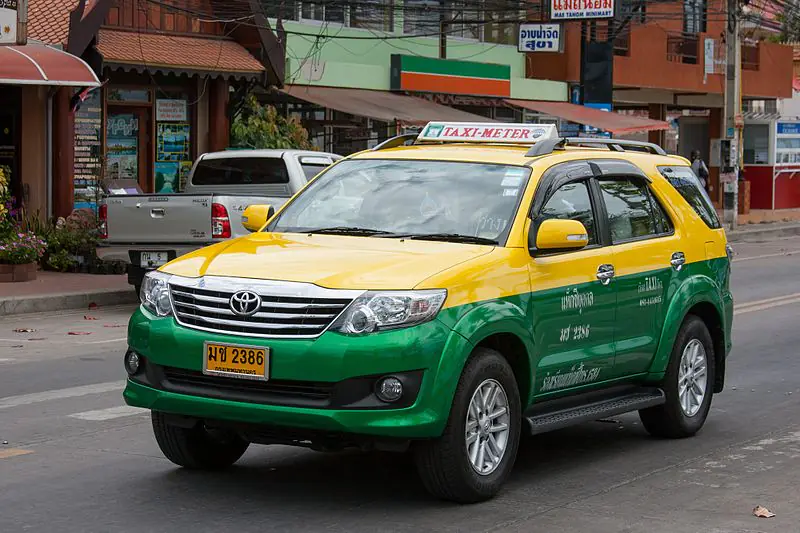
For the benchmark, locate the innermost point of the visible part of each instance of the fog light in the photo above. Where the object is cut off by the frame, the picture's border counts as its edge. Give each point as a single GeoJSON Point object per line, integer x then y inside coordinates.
{"type": "Point", "coordinates": [131, 363]}
{"type": "Point", "coordinates": [389, 389]}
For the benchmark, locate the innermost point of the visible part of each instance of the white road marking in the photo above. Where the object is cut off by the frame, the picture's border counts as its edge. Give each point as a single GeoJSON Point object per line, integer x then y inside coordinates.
{"type": "Point", "coordinates": [766, 256]}
{"type": "Point", "coordinates": [109, 340]}
{"type": "Point", "coordinates": [60, 394]}
{"type": "Point", "coordinates": [6, 360]}
{"type": "Point", "coordinates": [99, 415]}
{"type": "Point", "coordinates": [761, 305]}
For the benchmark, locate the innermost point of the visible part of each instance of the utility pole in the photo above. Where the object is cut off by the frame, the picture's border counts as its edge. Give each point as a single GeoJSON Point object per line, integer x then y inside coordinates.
{"type": "Point", "coordinates": [731, 145]}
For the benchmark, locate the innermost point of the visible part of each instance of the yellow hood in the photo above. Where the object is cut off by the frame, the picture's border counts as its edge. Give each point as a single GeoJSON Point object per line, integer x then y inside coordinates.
{"type": "Point", "coordinates": [332, 261]}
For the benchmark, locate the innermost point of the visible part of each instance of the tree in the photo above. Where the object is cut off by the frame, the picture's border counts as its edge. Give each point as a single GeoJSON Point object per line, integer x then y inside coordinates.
{"type": "Point", "coordinates": [261, 126]}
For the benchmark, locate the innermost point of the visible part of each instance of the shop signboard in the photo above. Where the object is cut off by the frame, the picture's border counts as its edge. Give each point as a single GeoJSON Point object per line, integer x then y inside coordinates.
{"type": "Point", "coordinates": [434, 75]}
{"type": "Point", "coordinates": [581, 9]}
{"type": "Point", "coordinates": [87, 147]}
{"type": "Point", "coordinates": [171, 110]}
{"type": "Point", "coordinates": [539, 38]}
{"type": "Point", "coordinates": [8, 21]}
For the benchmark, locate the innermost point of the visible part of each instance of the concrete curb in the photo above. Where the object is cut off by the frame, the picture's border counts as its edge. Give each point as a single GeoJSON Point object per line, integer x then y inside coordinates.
{"type": "Point", "coordinates": [761, 231]}
{"type": "Point", "coordinates": [65, 301]}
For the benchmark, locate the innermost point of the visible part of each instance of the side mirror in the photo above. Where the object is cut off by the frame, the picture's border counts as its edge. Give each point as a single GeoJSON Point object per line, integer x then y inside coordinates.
{"type": "Point", "coordinates": [556, 235]}
{"type": "Point", "coordinates": [256, 216]}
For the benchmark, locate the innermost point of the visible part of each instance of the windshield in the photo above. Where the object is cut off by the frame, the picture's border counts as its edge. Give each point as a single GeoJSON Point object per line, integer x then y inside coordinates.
{"type": "Point", "coordinates": [401, 197]}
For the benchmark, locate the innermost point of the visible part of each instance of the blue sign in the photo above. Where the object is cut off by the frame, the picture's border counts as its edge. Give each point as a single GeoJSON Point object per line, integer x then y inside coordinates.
{"type": "Point", "coordinates": [788, 128]}
{"type": "Point", "coordinates": [591, 130]}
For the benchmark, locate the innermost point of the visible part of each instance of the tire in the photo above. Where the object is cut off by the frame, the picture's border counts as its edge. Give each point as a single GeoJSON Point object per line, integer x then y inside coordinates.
{"type": "Point", "coordinates": [197, 448]}
{"type": "Point", "coordinates": [444, 464]}
{"type": "Point", "coordinates": [671, 420]}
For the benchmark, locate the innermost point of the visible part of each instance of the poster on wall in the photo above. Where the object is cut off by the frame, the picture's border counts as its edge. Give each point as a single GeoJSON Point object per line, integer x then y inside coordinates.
{"type": "Point", "coordinates": [8, 21]}
{"type": "Point", "coordinates": [88, 125]}
{"type": "Point", "coordinates": [173, 142]}
{"type": "Point", "coordinates": [122, 147]}
{"type": "Point", "coordinates": [185, 170]}
{"type": "Point", "coordinates": [167, 176]}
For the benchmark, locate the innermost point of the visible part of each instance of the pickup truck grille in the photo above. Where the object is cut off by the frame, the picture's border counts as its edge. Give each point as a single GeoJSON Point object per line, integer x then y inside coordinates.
{"type": "Point", "coordinates": [278, 316]}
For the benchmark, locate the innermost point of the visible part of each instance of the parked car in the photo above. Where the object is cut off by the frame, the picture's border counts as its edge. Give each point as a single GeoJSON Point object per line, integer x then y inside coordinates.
{"type": "Point", "coordinates": [148, 230]}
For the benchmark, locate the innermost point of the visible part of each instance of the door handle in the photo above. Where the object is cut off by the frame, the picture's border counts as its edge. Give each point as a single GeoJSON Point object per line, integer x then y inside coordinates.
{"type": "Point", "coordinates": [605, 273]}
{"type": "Point", "coordinates": [157, 213]}
{"type": "Point", "coordinates": [677, 260]}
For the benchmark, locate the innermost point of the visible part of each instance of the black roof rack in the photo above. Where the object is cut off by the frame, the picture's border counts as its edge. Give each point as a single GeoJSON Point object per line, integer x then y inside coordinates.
{"type": "Point", "coordinates": [615, 145]}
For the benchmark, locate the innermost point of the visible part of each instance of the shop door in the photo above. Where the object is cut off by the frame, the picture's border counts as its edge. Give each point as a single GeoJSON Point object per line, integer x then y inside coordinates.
{"type": "Point", "coordinates": [9, 136]}
{"type": "Point", "coordinates": [128, 145]}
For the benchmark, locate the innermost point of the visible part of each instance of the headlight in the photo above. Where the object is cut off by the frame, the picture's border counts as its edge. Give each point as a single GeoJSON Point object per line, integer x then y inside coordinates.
{"type": "Point", "coordinates": [376, 311]}
{"type": "Point", "coordinates": [155, 293]}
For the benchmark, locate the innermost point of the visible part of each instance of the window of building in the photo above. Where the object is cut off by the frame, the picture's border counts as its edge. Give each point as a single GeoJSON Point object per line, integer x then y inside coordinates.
{"type": "Point", "coordinates": [501, 19]}
{"type": "Point", "coordinates": [756, 144]}
{"type": "Point", "coordinates": [283, 9]}
{"type": "Point", "coordinates": [635, 9]}
{"type": "Point", "coordinates": [572, 202]}
{"type": "Point", "coordinates": [323, 12]}
{"type": "Point", "coordinates": [694, 16]}
{"type": "Point", "coordinates": [421, 17]}
{"type": "Point", "coordinates": [378, 16]}
{"type": "Point", "coordinates": [630, 213]}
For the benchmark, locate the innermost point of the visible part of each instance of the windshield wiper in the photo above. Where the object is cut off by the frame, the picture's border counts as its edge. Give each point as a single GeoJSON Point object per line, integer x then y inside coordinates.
{"type": "Point", "coordinates": [349, 230]}
{"type": "Point", "coordinates": [449, 237]}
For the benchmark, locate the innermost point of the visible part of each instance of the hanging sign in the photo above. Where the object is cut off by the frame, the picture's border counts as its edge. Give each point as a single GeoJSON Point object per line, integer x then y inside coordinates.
{"type": "Point", "coordinates": [8, 21]}
{"type": "Point", "coordinates": [581, 9]}
{"type": "Point", "coordinates": [539, 38]}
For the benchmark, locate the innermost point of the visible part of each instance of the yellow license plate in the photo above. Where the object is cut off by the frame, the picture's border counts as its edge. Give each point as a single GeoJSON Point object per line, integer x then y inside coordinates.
{"type": "Point", "coordinates": [236, 361]}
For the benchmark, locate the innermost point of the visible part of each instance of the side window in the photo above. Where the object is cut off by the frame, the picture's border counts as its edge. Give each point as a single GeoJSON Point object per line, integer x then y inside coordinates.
{"type": "Point", "coordinates": [687, 184]}
{"type": "Point", "coordinates": [663, 222]}
{"type": "Point", "coordinates": [629, 208]}
{"type": "Point", "coordinates": [572, 202]}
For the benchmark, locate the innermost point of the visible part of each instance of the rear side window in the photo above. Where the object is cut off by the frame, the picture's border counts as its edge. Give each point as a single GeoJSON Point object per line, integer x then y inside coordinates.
{"type": "Point", "coordinates": [241, 171]}
{"type": "Point", "coordinates": [688, 185]}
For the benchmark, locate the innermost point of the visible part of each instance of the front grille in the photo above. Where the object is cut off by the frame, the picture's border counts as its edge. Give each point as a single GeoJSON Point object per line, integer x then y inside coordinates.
{"type": "Point", "coordinates": [269, 392]}
{"type": "Point", "coordinates": [278, 316]}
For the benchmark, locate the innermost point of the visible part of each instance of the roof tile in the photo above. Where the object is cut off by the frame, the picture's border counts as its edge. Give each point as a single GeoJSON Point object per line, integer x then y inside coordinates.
{"type": "Point", "coordinates": [48, 20]}
{"type": "Point", "coordinates": [160, 50]}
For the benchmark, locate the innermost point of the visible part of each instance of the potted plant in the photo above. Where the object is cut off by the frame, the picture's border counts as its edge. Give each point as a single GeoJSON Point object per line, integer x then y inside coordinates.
{"type": "Point", "coordinates": [19, 256]}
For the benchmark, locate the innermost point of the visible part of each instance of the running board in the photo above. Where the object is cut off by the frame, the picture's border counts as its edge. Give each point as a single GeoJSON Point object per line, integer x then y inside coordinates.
{"type": "Point", "coordinates": [558, 414]}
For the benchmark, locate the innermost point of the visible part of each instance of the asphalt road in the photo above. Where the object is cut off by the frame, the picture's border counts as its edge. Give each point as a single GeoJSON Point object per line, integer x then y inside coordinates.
{"type": "Point", "coordinates": [73, 457]}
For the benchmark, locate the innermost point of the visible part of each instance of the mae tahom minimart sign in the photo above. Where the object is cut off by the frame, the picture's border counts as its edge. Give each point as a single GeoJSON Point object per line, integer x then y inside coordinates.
{"type": "Point", "coordinates": [581, 9]}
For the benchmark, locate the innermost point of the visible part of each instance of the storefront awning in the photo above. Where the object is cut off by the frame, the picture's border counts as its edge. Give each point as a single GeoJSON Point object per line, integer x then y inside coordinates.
{"type": "Point", "coordinates": [614, 123]}
{"type": "Point", "coordinates": [380, 105]}
{"type": "Point", "coordinates": [157, 52]}
{"type": "Point", "coordinates": [37, 64]}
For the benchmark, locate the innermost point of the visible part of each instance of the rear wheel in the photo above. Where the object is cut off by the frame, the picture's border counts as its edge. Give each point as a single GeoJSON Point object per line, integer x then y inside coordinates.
{"type": "Point", "coordinates": [688, 384]}
{"type": "Point", "coordinates": [476, 453]}
{"type": "Point", "coordinates": [197, 448]}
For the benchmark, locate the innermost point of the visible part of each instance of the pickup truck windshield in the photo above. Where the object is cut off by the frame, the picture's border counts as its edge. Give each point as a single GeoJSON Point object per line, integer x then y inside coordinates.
{"type": "Point", "coordinates": [400, 197]}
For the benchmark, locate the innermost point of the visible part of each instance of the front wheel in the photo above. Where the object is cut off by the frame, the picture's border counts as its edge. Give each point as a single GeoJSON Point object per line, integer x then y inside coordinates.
{"type": "Point", "coordinates": [197, 447]}
{"type": "Point", "coordinates": [688, 384]}
{"type": "Point", "coordinates": [476, 453]}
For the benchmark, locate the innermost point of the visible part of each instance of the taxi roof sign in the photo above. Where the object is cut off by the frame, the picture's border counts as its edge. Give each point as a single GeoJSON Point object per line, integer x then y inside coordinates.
{"type": "Point", "coordinates": [493, 132]}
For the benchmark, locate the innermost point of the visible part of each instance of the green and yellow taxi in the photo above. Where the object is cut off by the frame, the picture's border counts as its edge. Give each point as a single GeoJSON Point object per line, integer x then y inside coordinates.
{"type": "Point", "coordinates": [444, 294]}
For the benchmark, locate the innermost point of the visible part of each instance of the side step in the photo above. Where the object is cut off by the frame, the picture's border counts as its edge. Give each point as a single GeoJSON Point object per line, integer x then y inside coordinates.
{"type": "Point", "coordinates": [557, 414]}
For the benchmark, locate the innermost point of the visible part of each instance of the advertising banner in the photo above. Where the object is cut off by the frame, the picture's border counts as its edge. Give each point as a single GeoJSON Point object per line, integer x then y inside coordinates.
{"type": "Point", "coordinates": [539, 38]}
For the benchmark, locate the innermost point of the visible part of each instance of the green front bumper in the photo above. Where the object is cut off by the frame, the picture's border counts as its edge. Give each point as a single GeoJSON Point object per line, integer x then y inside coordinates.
{"type": "Point", "coordinates": [332, 357]}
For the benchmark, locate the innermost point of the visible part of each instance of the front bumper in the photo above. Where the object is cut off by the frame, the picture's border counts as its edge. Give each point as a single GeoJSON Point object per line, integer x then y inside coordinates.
{"type": "Point", "coordinates": [344, 363]}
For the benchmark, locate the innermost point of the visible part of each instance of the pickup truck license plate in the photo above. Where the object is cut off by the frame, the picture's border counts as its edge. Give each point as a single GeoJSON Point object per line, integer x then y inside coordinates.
{"type": "Point", "coordinates": [152, 259]}
{"type": "Point", "coordinates": [236, 361]}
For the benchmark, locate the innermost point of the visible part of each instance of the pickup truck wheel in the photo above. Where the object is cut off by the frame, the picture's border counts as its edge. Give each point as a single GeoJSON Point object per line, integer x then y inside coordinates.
{"type": "Point", "coordinates": [688, 384]}
{"type": "Point", "coordinates": [197, 448]}
{"type": "Point", "coordinates": [474, 456]}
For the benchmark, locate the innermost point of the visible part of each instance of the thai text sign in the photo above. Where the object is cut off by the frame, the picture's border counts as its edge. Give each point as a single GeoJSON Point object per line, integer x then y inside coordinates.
{"type": "Point", "coordinates": [492, 133]}
{"type": "Point", "coordinates": [581, 9]}
{"type": "Point", "coordinates": [539, 38]}
{"type": "Point", "coordinates": [170, 110]}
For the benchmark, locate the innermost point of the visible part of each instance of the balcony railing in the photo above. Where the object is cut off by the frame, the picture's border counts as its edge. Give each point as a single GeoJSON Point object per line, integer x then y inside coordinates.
{"type": "Point", "coordinates": [682, 48]}
{"type": "Point", "coordinates": [749, 57]}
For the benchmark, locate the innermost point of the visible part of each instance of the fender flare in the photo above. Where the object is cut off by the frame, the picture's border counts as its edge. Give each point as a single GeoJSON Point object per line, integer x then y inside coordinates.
{"type": "Point", "coordinates": [695, 290]}
{"type": "Point", "coordinates": [479, 323]}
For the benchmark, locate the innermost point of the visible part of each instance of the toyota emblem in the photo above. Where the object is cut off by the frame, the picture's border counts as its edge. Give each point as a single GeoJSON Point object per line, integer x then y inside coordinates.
{"type": "Point", "coordinates": [245, 303]}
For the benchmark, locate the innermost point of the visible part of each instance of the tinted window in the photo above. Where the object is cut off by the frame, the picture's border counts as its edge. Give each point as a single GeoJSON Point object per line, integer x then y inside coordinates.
{"type": "Point", "coordinates": [402, 197]}
{"type": "Point", "coordinates": [241, 171]}
{"type": "Point", "coordinates": [629, 209]}
{"type": "Point", "coordinates": [688, 185]}
{"type": "Point", "coordinates": [572, 202]}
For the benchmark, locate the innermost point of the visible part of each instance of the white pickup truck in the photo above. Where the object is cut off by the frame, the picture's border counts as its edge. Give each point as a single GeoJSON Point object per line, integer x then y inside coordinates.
{"type": "Point", "coordinates": [148, 230]}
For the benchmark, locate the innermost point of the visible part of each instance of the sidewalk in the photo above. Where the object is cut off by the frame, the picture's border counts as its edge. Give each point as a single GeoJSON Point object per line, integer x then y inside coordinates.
{"type": "Point", "coordinates": [54, 291]}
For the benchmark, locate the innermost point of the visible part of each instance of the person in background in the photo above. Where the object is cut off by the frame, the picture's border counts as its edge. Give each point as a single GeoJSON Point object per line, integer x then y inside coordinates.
{"type": "Point", "coordinates": [700, 169]}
